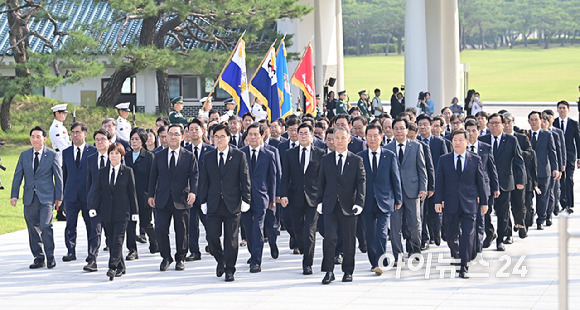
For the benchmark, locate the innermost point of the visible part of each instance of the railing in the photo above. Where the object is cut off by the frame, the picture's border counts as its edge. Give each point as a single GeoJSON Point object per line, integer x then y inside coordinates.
{"type": "Point", "coordinates": [563, 237]}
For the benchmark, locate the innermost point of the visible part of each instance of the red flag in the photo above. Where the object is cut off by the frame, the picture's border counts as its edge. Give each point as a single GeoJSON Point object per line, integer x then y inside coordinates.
{"type": "Point", "coordinates": [304, 78]}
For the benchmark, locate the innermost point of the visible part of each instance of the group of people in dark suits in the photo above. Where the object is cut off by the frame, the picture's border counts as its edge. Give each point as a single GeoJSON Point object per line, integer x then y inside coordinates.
{"type": "Point", "coordinates": [405, 179]}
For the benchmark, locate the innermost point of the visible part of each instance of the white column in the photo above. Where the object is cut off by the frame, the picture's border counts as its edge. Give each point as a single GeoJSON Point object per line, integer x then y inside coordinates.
{"type": "Point", "coordinates": [415, 51]}
{"type": "Point", "coordinates": [435, 42]}
{"type": "Point", "coordinates": [451, 60]}
{"type": "Point", "coordinates": [317, 49]}
{"type": "Point", "coordinates": [339, 48]}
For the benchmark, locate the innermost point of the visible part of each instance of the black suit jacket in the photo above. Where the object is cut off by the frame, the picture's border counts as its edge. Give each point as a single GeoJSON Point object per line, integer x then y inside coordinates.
{"type": "Point", "coordinates": [301, 188]}
{"type": "Point", "coordinates": [508, 161]}
{"type": "Point", "coordinates": [484, 151]}
{"type": "Point", "coordinates": [572, 138]}
{"type": "Point", "coordinates": [115, 203]}
{"type": "Point", "coordinates": [429, 166]}
{"type": "Point", "coordinates": [141, 170]}
{"type": "Point", "coordinates": [348, 188]}
{"type": "Point", "coordinates": [183, 181]}
{"type": "Point", "coordinates": [545, 154]}
{"type": "Point", "coordinates": [232, 183]}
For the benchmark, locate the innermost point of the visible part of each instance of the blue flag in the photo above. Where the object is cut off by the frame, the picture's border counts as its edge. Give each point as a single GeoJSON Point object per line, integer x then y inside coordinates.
{"type": "Point", "coordinates": [265, 87]}
{"type": "Point", "coordinates": [283, 82]}
{"type": "Point", "coordinates": [234, 79]}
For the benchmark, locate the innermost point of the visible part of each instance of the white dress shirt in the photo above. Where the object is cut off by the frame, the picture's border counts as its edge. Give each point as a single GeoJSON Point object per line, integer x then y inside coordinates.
{"type": "Point", "coordinates": [343, 158]}
{"type": "Point", "coordinates": [116, 172]}
{"type": "Point", "coordinates": [378, 157]}
{"type": "Point", "coordinates": [462, 160]}
{"type": "Point", "coordinates": [169, 155]}
{"type": "Point", "coordinates": [307, 154]}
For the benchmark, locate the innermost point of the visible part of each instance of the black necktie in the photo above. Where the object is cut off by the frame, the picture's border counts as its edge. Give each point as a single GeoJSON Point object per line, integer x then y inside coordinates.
{"type": "Point", "coordinates": [375, 163]}
{"type": "Point", "coordinates": [293, 144]}
{"type": "Point", "coordinates": [400, 153]}
{"type": "Point", "coordinates": [112, 182]}
{"type": "Point", "coordinates": [495, 146]}
{"type": "Point", "coordinates": [253, 159]}
{"type": "Point", "coordinates": [472, 148]}
{"type": "Point", "coordinates": [172, 163]}
{"type": "Point", "coordinates": [78, 159]}
{"type": "Point", "coordinates": [339, 167]}
{"type": "Point", "coordinates": [562, 125]}
{"type": "Point", "coordinates": [459, 170]}
{"type": "Point", "coordinates": [234, 140]}
{"type": "Point", "coordinates": [195, 152]}
{"type": "Point", "coordinates": [388, 140]}
{"type": "Point", "coordinates": [102, 164]}
{"type": "Point", "coordinates": [534, 137]}
{"type": "Point", "coordinates": [36, 161]}
{"type": "Point", "coordinates": [221, 163]}
{"type": "Point", "coordinates": [303, 159]}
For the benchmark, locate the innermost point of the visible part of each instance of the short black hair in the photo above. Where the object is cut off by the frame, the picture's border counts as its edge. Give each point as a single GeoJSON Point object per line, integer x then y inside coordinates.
{"type": "Point", "coordinates": [161, 129]}
{"type": "Point", "coordinates": [260, 127]}
{"type": "Point", "coordinates": [400, 119]}
{"type": "Point", "coordinates": [549, 112]}
{"type": "Point", "coordinates": [219, 127]}
{"type": "Point", "coordinates": [84, 127]}
{"type": "Point", "coordinates": [264, 121]}
{"type": "Point", "coordinates": [292, 122]}
{"type": "Point", "coordinates": [374, 126]}
{"type": "Point", "coordinates": [342, 115]}
{"type": "Point", "coordinates": [440, 119]}
{"type": "Point", "coordinates": [329, 131]}
{"type": "Point", "coordinates": [104, 133]}
{"type": "Point", "coordinates": [481, 113]}
{"type": "Point", "coordinates": [377, 90]}
{"type": "Point", "coordinates": [445, 108]}
{"type": "Point", "coordinates": [39, 128]}
{"type": "Point", "coordinates": [422, 117]}
{"type": "Point", "coordinates": [470, 123]}
{"type": "Point", "coordinates": [180, 126]}
{"type": "Point", "coordinates": [250, 115]}
{"type": "Point", "coordinates": [495, 115]}
{"type": "Point", "coordinates": [359, 118]}
{"type": "Point", "coordinates": [163, 119]}
{"type": "Point", "coordinates": [458, 117]}
{"type": "Point", "coordinates": [564, 102]}
{"type": "Point", "coordinates": [196, 121]}
{"type": "Point", "coordinates": [304, 125]}
{"type": "Point", "coordinates": [535, 112]}
{"type": "Point", "coordinates": [212, 111]}
{"type": "Point", "coordinates": [413, 127]}
{"type": "Point", "coordinates": [141, 133]}
{"type": "Point", "coordinates": [457, 132]}
{"type": "Point", "coordinates": [308, 119]}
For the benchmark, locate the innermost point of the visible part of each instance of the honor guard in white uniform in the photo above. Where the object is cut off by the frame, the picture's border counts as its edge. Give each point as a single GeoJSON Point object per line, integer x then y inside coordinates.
{"type": "Point", "coordinates": [259, 111]}
{"type": "Point", "coordinates": [58, 133]}
{"type": "Point", "coordinates": [206, 106]}
{"type": "Point", "coordinates": [123, 125]}
{"type": "Point", "coordinates": [230, 109]}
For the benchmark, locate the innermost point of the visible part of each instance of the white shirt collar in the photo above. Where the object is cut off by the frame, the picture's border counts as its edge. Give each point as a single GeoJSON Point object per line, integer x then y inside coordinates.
{"type": "Point", "coordinates": [257, 149]}
{"type": "Point", "coordinates": [371, 152]}
{"type": "Point", "coordinates": [199, 146]}
{"type": "Point", "coordinates": [226, 151]}
{"type": "Point", "coordinates": [343, 155]}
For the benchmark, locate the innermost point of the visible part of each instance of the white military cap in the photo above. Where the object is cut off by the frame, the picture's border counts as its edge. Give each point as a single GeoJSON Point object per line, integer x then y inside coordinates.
{"type": "Point", "coordinates": [59, 108]}
{"type": "Point", "coordinates": [123, 106]}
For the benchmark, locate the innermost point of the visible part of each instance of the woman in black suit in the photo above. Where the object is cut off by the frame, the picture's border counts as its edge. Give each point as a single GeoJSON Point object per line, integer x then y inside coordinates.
{"type": "Point", "coordinates": [115, 200]}
{"type": "Point", "coordinates": [140, 160]}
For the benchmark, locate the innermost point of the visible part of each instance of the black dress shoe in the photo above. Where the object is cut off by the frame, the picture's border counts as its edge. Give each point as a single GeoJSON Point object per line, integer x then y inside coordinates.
{"type": "Point", "coordinates": [274, 252]}
{"type": "Point", "coordinates": [540, 227]}
{"type": "Point", "coordinates": [193, 257]}
{"type": "Point", "coordinates": [307, 270]}
{"type": "Point", "coordinates": [69, 257]}
{"type": "Point", "coordinates": [132, 255]}
{"type": "Point", "coordinates": [255, 268]}
{"type": "Point", "coordinates": [229, 276]}
{"type": "Point", "coordinates": [570, 210]}
{"type": "Point", "coordinates": [165, 264]}
{"type": "Point", "coordinates": [523, 232]}
{"type": "Point", "coordinates": [207, 249]}
{"type": "Point", "coordinates": [141, 239]}
{"type": "Point", "coordinates": [249, 261]}
{"type": "Point", "coordinates": [425, 247]}
{"type": "Point", "coordinates": [119, 272]}
{"type": "Point", "coordinates": [153, 249]}
{"type": "Point", "coordinates": [106, 248]}
{"type": "Point", "coordinates": [111, 274]}
{"type": "Point", "coordinates": [338, 259]}
{"type": "Point", "coordinates": [548, 222]}
{"type": "Point", "coordinates": [488, 240]}
{"type": "Point", "coordinates": [347, 277]}
{"type": "Point", "coordinates": [437, 241]}
{"type": "Point", "coordinates": [91, 266]}
{"type": "Point", "coordinates": [296, 251]}
{"type": "Point", "coordinates": [38, 263]}
{"type": "Point", "coordinates": [329, 277]}
{"type": "Point", "coordinates": [243, 243]}
{"type": "Point", "coordinates": [508, 240]}
{"type": "Point", "coordinates": [500, 247]}
{"type": "Point", "coordinates": [179, 265]}
{"type": "Point", "coordinates": [50, 263]}
{"type": "Point", "coordinates": [363, 249]}
{"type": "Point", "coordinates": [219, 271]}
{"type": "Point", "coordinates": [463, 274]}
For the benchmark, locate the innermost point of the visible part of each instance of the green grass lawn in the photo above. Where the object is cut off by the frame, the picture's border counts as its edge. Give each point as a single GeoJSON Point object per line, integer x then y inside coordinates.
{"type": "Point", "coordinates": [11, 218]}
{"type": "Point", "coordinates": [520, 74]}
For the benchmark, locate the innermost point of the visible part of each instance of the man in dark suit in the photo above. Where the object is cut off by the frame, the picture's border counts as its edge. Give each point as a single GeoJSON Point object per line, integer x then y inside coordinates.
{"type": "Point", "coordinates": [510, 170]}
{"type": "Point", "coordinates": [543, 143]}
{"type": "Point", "coordinates": [461, 187]}
{"type": "Point", "coordinates": [172, 191]}
{"type": "Point", "coordinates": [163, 143]}
{"type": "Point", "coordinates": [224, 194]}
{"type": "Point", "coordinates": [414, 184]}
{"type": "Point", "coordinates": [554, 186]}
{"type": "Point", "coordinates": [572, 139]}
{"type": "Point", "coordinates": [262, 170]}
{"type": "Point", "coordinates": [483, 221]}
{"type": "Point", "coordinates": [291, 143]}
{"type": "Point", "coordinates": [341, 196]}
{"type": "Point", "coordinates": [39, 167]}
{"type": "Point", "coordinates": [481, 118]}
{"type": "Point", "coordinates": [74, 172]}
{"type": "Point", "coordinates": [383, 194]}
{"type": "Point", "coordinates": [199, 150]}
{"type": "Point", "coordinates": [298, 191]}
{"type": "Point", "coordinates": [235, 125]}
{"type": "Point", "coordinates": [96, 161]}
{"type": "Point", "coordinates": [110, 125]}
{"type": "Point", "coordinates": [276, 131]}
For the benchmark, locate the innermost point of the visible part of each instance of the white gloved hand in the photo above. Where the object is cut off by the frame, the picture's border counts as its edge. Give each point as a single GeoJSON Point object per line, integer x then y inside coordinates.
{"type": "Point", "coordinates": [245, 206]}
{"type": "Point", "coordinates": [357, 209]}
{"type": "Point", "coordinates": [319, 208]}
{"type": "Point", "coordinates": [135, 217]}
{"type": "Point", "coordinates": [92, 213]}
{"type": "Point", "coordinates": [204, 208]}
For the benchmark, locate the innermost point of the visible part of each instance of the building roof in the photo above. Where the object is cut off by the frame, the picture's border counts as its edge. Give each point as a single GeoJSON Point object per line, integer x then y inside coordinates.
{"type": "Point", "coordinates": [83, 12]}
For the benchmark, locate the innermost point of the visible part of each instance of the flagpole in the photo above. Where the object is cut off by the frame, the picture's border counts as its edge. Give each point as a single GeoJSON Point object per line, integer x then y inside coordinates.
{"type": "Point", "coordinates": [279, 46]}
{"type": "Point", "coordinates": [226, 65]}
{"type": "Point", "coordinates": [261, 63]}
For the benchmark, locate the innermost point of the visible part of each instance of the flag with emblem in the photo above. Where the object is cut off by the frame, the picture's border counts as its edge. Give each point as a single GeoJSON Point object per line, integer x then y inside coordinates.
{"type": "Point", "coordinates": [304, 78]}
{"type": "Point", "coordinates": [234, 79]}
{"type": "Point", "coordinates": [283, 81]}
{"type": "Point", "coordinates": [264, 85]}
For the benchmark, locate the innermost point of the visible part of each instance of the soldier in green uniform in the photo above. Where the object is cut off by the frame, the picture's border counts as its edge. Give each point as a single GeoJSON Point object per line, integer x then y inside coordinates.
{"type": "Point", "coordinates": [341, 106]}
{"type": "Point", "coordinates": [363, 104]}
{"type": "Point", "coordinates": [175, 116]}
